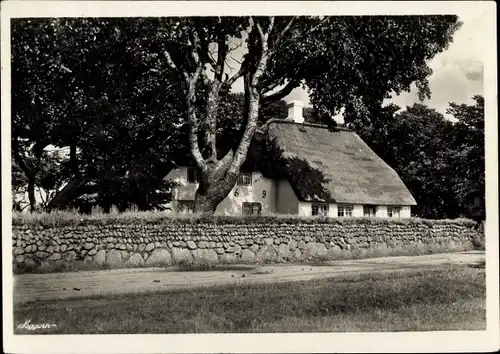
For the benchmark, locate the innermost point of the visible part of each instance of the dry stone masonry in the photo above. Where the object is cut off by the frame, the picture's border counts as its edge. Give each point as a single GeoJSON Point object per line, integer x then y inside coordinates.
{"type": "Point", "coordinates": [162, 243]}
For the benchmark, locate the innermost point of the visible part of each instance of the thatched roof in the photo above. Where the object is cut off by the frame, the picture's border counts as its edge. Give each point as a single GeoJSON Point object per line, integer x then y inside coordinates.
{"type": "Point", "coordinates": [331, 166]}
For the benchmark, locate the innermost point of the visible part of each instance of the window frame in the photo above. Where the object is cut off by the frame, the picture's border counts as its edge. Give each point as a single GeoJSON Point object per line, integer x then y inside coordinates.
{"type": "Point", "coordinates": [345, 208]}
{"type": "Point", "coordinates": [370, 207]}
{"type": "Point", "coordinates": [322, 209]}
{"type": "Point", "coordinates": [188, 206]}
{"type": "Point", "coordinates": [392, 214]}
{"type": "Point", "coordinates": [254, 206]}
{"type": "Point", "coordinates": [245, 179]}
{"type": "Point", "coordinates": [195, 172]}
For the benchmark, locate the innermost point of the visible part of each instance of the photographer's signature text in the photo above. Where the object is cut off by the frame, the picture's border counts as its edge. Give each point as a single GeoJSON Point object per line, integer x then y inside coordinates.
{"type": "Point", "coordinates": [34, 326]}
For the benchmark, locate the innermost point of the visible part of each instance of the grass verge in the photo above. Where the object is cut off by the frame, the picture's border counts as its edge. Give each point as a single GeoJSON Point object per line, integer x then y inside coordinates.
{"type": "Point", "coordinates": [441, 298]}
{"type": "Point", "coordinates": [65, 218]}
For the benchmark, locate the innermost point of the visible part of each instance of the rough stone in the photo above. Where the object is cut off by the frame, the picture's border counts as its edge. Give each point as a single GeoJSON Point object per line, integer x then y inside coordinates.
{"type": "Point", "coordinates": [301, 245]}
{"type": "Point", "coordinates": [219, 250]}
{"type": "Point", "coordinates": [248, 256]}
{"type": "Point", "coordinates": [19, 258]}
{"type": "Point", "coordinates": [268, 241]}
{"type": "Point", "coordinates": [205, 256]}
{"type": "Point", "coordinates": [181, 255]}
{"type": "Point", "coordinates": [227, 258]}
{"type": "Point", "coordinates": [70, 256]}
{"type": "Point", "coordinates": [100, 257]}
{"type": "Point", "coordinates": [92, 252]}
{"type": "Point", "coordinates": [297, 255]}
{"type": "Point", "coordinates": [254, 248]}
{"type": "Point", "coordinates": [292, 245]}
{"type": "Point", "coordinates": [150, 247]}
{"type": "Point", "coordinates": [315, 250]}
{"type": "Point", "coordinates": [41, 254]}
{"type": "Point", "coordinates": [160, 257]}
{"type": "Point", "coordinates": [114, 258]}
{"type": "Point", "coordinates": [55, 257]}
{"type": "Point", "coordinates": [190, 244]}
{"type": "Point", "coordinates": [334, 252]}
{"type": "Point", "coordinates": [284, 252]}
{"type": "Point", "coordinates": [88, 246]}
{"type": "Point", "coordinates": [135, 260]}
{"type": "Point", "coordinates": [266, 254]}
{"type": "Point", "coordinates": [202, 244]}
{"type": "Point", "coordinates": [18, 250]}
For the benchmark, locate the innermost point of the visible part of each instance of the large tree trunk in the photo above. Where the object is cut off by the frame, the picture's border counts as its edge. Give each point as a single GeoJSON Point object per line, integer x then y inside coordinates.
{"type": "Point", "coordinates": [217, 177]}
{"type": "Point", "coordinates": [217, 182]}
{"type": "Point", "coordinates": [31, 193]}
{"type": "Point", "coordinates": [70, 192]}
{"type": "Point", "coordinates": [206, 201]}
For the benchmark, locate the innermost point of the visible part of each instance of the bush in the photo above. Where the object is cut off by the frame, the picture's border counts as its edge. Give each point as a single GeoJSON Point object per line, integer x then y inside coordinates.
{"type": "Point", "coordinates": [479, 242]}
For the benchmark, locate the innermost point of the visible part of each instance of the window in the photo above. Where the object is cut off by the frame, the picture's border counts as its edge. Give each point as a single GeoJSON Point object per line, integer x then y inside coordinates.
{"type": "Point", "coordinates": [369, 211]}
{"type": "Point", "coordinates": [344, 210]}
{"type": "Point", "coordinates": [252, 208]}
{"type": "Point", "coordinates": [393, 212]}
{"type": "Point", "coordinates": [319, 209]}
{"type": "Point", "coordinates": [245, 179]}
{"type": "Point", "coordinates": [185, 206]}
{"type": "Point", "coordinates": [192, 175]}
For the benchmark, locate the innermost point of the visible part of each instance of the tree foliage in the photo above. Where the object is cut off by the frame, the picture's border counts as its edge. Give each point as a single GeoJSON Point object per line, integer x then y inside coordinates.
{"type": "Point", "coordinates": [94, 86]}
{"type": "Point", "coordinates": [440, 161]}
{"type": "Point", "coordinates": [350, 62]}
{"type": "Point", "coordinates": [131, 97]}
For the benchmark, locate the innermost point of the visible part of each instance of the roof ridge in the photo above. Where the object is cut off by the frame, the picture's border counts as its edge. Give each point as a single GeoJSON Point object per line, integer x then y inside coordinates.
{"type": "Point", "coordinates": [266, 125]}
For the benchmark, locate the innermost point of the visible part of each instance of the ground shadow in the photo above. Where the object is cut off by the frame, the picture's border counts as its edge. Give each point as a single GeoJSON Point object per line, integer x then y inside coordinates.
{"type": "Point", "coordinates": [214, 268]}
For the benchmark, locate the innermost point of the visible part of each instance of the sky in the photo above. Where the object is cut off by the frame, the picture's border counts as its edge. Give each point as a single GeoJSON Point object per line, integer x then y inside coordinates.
{"type": "Point", "coordinates": [457, 72]}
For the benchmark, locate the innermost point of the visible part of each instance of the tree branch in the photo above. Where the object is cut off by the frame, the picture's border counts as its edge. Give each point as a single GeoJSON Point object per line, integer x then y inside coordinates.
{"type": "Point", "coordinates": [174, 67]}
{"type": "Point", "coordinates": [323, 20]}
{"type": "Point", "coordinates": [229, 82]}
{"type": "Point", "coordinates": [195, 46]}
{"type": "Point", "coordinates": [193, 119]}
{"type": "Point", "coordinates": [285, 30]}
{"type": "Point", "coordinates": [264, 54]}
{"type": "Point", "coordinates": [285, 91]}
{"type": "Point", "coordinates": [251, 82]}
{"type": "Point", "coordinates": [20, 161]}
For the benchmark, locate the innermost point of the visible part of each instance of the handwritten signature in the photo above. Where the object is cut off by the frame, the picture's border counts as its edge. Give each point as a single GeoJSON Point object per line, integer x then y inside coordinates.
{"type": "Point", "coordinates": [34, 326]}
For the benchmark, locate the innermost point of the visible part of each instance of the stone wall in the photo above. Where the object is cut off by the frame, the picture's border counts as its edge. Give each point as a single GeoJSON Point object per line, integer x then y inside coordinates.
{"type": "Point", "coordinates": [116, 244]}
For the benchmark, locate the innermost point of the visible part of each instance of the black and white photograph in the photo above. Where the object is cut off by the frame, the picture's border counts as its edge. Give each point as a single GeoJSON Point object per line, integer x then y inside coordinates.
{"type": "Point", "coordinates": [249, 176]}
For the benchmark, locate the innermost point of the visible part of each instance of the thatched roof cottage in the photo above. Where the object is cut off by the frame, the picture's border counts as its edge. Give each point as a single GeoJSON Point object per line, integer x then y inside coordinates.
{"type": "Point", "coordinates": [307, 169]}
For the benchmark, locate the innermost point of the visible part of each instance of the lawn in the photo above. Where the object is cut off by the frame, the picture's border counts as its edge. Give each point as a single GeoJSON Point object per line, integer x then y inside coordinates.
{"type": "Point", "coordinates": [440, 298]}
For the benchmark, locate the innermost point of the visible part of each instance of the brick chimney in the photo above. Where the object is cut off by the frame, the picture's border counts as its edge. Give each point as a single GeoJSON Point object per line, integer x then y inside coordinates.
{"type": "Point", "coordinates": [295, 111]}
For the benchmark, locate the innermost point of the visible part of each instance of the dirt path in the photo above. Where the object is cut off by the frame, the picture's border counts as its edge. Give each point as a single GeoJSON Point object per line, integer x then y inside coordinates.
{"type": "Point", "coordinates": [29, 287]}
